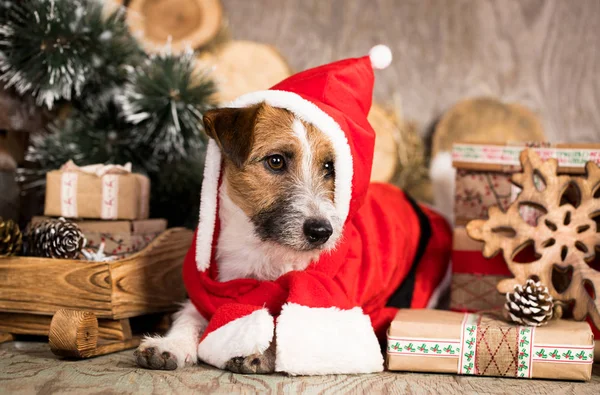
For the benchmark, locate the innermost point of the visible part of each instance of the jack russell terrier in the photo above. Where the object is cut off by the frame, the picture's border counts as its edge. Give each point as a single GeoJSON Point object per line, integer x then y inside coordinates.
{"type": "Point", "coordinates": [299, 264]}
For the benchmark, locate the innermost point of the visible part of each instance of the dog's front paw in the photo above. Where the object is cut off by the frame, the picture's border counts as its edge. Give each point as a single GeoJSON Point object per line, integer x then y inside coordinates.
{"type": "Point", "coordinates": [252, 364]}
{"type": "Point", "coordinates": [255, 363]}
{"type": "Point", "coordinates": [153, 358]}
{"type": "Point", "coordinates": [163, 353]}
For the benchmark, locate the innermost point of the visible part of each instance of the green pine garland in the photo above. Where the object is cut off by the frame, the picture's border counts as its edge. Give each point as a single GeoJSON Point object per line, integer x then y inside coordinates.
{"type": "Point", "coordinates": [117, 51]}
{"type": "Point", "coordinates": [165, 99]}
{"type": "Point", "coordinates": [88, 137]}
{"type": "Point", "coordinates": [52, 48]}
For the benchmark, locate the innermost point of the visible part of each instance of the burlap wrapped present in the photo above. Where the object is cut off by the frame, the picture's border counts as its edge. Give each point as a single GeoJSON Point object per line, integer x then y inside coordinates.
{"type": "Point", "coordinates": [474, 278]}
{"type": "Point", "coordinates": [483, 173]}
{"type": "Point", "coordinates": [97, 191]}
{"type": "Point", "coordinates": [484, 345]}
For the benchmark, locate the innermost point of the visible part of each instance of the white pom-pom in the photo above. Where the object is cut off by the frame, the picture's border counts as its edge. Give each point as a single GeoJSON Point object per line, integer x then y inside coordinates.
{"type": "Point", "coordinates": [381, 56]}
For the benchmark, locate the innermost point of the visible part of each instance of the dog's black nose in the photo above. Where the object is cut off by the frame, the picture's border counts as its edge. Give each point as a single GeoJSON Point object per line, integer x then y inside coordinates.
{"type": "Point", "coordinates": [317, 230]}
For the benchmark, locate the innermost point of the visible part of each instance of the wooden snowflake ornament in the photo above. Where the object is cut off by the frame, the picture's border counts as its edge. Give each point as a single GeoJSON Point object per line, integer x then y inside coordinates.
{"type": "Point", "coordinates": [564, 236]}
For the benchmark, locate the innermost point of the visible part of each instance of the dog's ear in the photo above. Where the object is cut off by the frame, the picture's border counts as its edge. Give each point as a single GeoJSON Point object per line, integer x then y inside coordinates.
{"type": "Point", "coordinates": [233, 129]}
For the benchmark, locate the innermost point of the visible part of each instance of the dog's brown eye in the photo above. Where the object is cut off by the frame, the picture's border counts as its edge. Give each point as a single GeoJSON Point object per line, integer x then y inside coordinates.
{"type": "Point", "coordinates": [276, 162]}
{"type": "Point", "coordinates": [329, 169]}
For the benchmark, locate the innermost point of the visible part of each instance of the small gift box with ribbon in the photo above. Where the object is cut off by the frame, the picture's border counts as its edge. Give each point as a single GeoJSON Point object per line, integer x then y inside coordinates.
{"type": "Point", "coordinates": [484, 345]}
{"type": "Point", "coordinates": [483, 173]}
{"type": "Point", "coordinates": [97, 191]}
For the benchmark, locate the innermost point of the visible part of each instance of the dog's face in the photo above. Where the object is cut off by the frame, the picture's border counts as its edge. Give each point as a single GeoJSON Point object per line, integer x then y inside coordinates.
{"type": "Point", "coordinates": [280, 172]}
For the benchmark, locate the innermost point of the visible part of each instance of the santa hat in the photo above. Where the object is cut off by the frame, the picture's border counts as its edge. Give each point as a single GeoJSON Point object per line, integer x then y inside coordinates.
{"type": "Point", "coordinates": [336, 98]}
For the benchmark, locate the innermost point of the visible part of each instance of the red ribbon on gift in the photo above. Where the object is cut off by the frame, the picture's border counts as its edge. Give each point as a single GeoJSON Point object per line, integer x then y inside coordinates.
{"type": "Point", "coordinates": [473, 262]}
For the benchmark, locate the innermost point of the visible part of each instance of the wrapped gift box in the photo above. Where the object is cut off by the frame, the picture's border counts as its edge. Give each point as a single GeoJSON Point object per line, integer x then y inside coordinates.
{"type": "Point", "coordinates": [120, 238]}
{"type": "Point", "coordinates": [474, 278]}
{"type": "Point", "coordinates": [97, 191]}
{"type": "Point", "coordinates": [483, 345]}
{"type": "Point", "coordinates": [483, 174]}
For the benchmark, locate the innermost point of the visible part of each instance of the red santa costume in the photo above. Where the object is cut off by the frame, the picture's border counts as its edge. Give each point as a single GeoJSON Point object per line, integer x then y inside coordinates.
{"type": "Point", "coordinates": [393, 252]}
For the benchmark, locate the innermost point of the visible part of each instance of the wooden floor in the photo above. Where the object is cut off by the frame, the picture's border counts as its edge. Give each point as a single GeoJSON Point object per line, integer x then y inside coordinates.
{"type": "Point", "coordinates": [30, 367]}
{"type": "Point", "coordinates": [542, 53]}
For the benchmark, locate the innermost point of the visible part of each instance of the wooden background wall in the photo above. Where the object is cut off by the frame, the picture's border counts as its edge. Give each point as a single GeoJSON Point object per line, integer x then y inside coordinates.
{"type": "Point", "coordinates": [542, 53]}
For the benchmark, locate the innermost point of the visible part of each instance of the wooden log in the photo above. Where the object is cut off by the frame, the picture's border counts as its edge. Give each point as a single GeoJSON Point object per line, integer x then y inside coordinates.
{"type": "Point", "coordinates": [486, 120]}
{"type": "Point", "coordinates": [385, 159]}
{"type": "Point", "coordinates": [185, 23]}
{"type": "Point", "coordinates": [240, 67]}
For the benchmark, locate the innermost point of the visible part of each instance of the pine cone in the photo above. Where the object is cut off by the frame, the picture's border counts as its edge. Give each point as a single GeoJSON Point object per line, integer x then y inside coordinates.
{"type": "Point", "coordinates": [530, 304]}
{"type": "Point", "coordinates": [11, 238]}
{"type": "Point", "coordinates": [55, 238]}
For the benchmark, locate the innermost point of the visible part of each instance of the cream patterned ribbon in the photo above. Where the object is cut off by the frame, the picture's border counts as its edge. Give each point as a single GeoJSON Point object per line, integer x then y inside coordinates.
{"type": "Point", "coordinates": [557, 353]}
{"type": "Point", "coordinates": [110, 196]}
{"type": "Point", "coordinates": [68, 194]}
{"type": "Point", "coordinates": [110, 187]}
{"type": "Point", "coordinates": [468, 345]}
{"type": "Point", "coordinates": [509, 155]}
{"type": "Point", "coordinates": [413, 346]}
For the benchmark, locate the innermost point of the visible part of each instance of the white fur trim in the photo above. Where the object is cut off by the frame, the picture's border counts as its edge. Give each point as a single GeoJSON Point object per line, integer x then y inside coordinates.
{"type": "Point", "coordinates": [208, 205]}
{"type": "Point", "coordinates": [315, 341]}
{"type": "Point", "coordinates": [381, 56]}
{"type": "Point", "coordinates": [245, 336]}
{"type": "Point", "coordinates": [443, 176]}
{"type": "Point", "coordinates": [309, 112]}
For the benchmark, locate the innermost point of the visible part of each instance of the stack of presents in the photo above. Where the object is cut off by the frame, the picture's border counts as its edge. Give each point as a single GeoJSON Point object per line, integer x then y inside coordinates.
{"type": "Point", "coordinates": [475, 338]}
{"type": "Point", "coordinates": [483, 174]}
{"type": "Point", "coordinates": [109, 204]}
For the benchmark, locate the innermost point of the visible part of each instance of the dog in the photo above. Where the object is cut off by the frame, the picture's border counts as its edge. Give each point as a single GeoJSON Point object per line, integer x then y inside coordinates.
{"type": "Point", "coordinates": [277, 197]}
{"type": "Point", "coordinates": [297, 264]}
